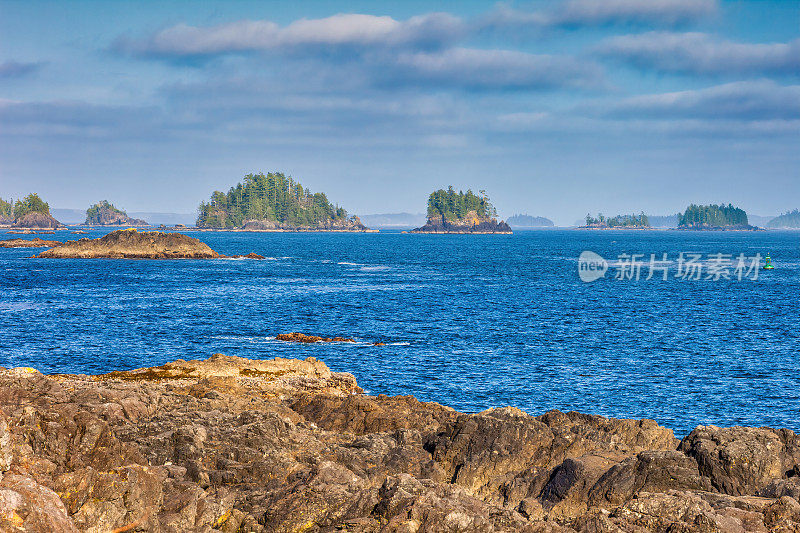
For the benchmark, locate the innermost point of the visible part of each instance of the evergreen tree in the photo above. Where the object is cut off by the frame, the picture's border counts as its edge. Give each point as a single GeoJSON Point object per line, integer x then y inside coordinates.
{"type": "Point", "coordinates": [30, 204]}
{"type": "Point", "coordinates": [273, 197]}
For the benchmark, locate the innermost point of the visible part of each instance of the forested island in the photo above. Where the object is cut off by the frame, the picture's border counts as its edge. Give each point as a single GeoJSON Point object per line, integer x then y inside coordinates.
{"type": "Point", "coordinates": [30, 212]}
{"type": "Point", "coordinates": [528, 221]}
{"type": "Point", "coordinates": [639, 221]}
{"type": "Point", "coordinates": [274, 202]}
{"type": "Point", "coordinates": [714, 217]}
{"type": "Point", "coordinates": [105, 214]}
{"type": "Point", "coordinates": [788, 220]}
{"type": "Point", "coordinates": [461, 212]}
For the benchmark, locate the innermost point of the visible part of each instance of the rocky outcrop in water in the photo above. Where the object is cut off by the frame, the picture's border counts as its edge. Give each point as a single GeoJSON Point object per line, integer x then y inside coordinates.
{"type": "Point", "coordinates": [133, 244]}
{"type": "Point", "coordinates": [36, 242]}
{"type": "Point", "coordinates": [237, 445]}
{"type": "Point", "coordinates": [36, 221]}
{"type": "Point", "coordinates": [105, 214]}
{"type": "Point", "coordinates": [471, 223]}
{"type": "Point", "coordinates": [301, 337]}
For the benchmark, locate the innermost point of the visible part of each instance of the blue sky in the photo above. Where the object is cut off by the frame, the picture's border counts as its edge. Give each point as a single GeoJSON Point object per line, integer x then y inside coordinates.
{"type": "Point", "coordinates": [555, 108]}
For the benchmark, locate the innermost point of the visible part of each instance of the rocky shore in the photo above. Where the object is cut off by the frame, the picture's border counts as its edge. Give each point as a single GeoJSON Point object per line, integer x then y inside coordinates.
{"type": "Point", "coordinates": [133, 244]}
{"type": "Point", "coordinates": [352, 224]}
{"type": "Point", "coordinates": [237, 445]}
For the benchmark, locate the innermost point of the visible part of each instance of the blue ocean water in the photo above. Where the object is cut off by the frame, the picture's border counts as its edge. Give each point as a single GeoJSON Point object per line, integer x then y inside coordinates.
{"type": "Point", "coordinates": [469, 321]}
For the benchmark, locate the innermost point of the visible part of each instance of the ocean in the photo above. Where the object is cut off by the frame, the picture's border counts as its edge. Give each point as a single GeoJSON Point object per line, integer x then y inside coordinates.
{"type": "Point", "coordinates": [469, 321]}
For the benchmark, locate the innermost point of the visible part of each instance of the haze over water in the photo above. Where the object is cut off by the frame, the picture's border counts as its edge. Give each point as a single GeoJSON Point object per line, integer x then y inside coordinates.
{"type": "Point", "coordinates": [469, 321]}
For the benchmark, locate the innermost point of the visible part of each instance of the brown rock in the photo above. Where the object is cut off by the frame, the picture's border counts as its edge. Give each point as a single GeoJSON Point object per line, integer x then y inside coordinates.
{"type": "Point", "coordinates": [132, 244]}
{"type": "Point", "coordinates": [26, 505]}
{"type": "Point", "coordinates": [36, 242]}
{"type": "Point", "coordinates": [36, 221]}
{"type": "Point", "coordinates": [742, 460]}
{"type": "Point", "coordinates": [300, 337]}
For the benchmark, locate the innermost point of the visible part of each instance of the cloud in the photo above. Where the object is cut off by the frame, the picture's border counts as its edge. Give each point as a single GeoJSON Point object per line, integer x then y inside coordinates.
{"type": "Point", "coordinates": [13, 69]}
{"type": "Point", "coordinates": [342, 30]}
{"type": "Point", "coordinates": [761, 100]}
{"type": "Point", "coordinates": [580, 13]}
{"type": "Point", "coordinates": [699, 53]}
{"type": "Point", "coordinates": [471, 68]}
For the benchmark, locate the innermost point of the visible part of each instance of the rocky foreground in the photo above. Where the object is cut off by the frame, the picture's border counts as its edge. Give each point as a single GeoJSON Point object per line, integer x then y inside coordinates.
{"type": "Point", "coordinates": [230, 444]}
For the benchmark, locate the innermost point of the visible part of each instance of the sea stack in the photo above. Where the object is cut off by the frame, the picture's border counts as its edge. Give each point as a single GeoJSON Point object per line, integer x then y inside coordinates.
{"type": "Point", "coordinates": [461, 212]}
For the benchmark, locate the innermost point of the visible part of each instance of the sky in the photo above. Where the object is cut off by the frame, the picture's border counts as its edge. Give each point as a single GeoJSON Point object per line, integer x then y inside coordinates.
{"type": "Point", "coordinates": [555, 108]}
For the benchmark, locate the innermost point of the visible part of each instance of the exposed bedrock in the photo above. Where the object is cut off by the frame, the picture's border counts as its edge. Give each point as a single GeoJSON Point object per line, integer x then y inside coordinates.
{"type": "Point", "coordinates": [232, 444]}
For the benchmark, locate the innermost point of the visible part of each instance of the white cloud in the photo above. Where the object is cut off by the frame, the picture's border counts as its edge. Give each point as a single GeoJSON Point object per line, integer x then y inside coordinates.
{"type": "Point", "coordinates": [338, 30]}
{"type": "Point", "coordinates": [603, 12]}
{"type": "Point", "coordinates": [700, 53]}
{"type": "Point", "coordinates": [499, 69]}
{"type": "Point", "coordinates": [761, 100]}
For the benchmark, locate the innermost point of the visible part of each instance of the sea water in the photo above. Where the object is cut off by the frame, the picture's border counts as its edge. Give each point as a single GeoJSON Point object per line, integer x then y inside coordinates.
{"type": "Point", "coordinates": [469, 321]}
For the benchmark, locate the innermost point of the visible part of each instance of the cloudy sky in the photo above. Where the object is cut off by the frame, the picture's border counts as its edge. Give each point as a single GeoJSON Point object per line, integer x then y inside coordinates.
{"type": "Point", "coordinates": [557, 108]}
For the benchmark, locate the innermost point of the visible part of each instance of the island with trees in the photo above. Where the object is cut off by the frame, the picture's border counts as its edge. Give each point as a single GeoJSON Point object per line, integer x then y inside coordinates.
{"type": "Point", "coordinates": [31, 213]}
{"type": "Point", "coordinates": [788, 220]}
{"type": "Point", "coordinates": [274, 202]}
{"type": "Point", "coordinates": [639, 221]}
{"type": "Point", "coordinates": [461, 212]}
{"type": "Point", "coordinates": [105, 214]}
{"type": "Point", "coordinates": [714, 217]}
{"type": "Point", "coordinates": [528, 221]}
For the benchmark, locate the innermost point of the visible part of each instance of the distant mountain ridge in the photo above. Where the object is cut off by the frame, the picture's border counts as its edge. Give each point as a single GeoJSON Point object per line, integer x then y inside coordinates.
{"type": "Point", "coordinates": [528, 221]}
{"type": "Point", "coordinates": [394, 220]}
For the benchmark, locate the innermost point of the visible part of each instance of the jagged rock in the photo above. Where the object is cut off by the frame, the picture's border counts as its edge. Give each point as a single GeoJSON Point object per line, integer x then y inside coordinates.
{"type": "Point", "coordinates": [25, 505]}
{"type": "Point", "coordinates": [651, 471]}
{"type": "Point", "coordinates": [741, 460]}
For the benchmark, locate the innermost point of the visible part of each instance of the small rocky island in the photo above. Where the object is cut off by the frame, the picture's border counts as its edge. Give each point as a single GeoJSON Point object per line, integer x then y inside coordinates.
{"type": "Point", "coordinates": [105, 214]}
{"type": "Point", "coordinates": [238, 445]}
{"type": "Point", "coordinates": [133, 244]}
{"type": "Point", "coordinates": [274, 202]}
{"type": "Point", "coordinates": [461, 212]}
{"type": "Point", "coordinates": [714, 218]}
{"type": "Point", "coordinates": [36, 242]}
{"type": "Point", "coordinates": [29, 213]}
{"type": "Point", "coordinates": [640, 221]}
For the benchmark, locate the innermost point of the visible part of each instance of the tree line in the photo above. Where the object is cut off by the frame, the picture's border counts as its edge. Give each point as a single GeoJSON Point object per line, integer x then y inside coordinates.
{"type": "Point", "coordinates": [30, 204]}
{"type": "Point", "coordinates": [454, 205]}
{"type": "Point", "coordinates": [619, 221]}
{"type": "Point", "coordinates": [274, 196]}
{"type": "Point", "coordinates": [713, 215]}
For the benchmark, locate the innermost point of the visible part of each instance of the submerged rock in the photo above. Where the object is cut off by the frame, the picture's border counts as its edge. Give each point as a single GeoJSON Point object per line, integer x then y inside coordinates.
{"type": "Point", "coordinates": [300, 337]}
{"type": "Point", "coordinates": [232, 444]}
{"type": "Point", "coordinates": [133, 244]}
